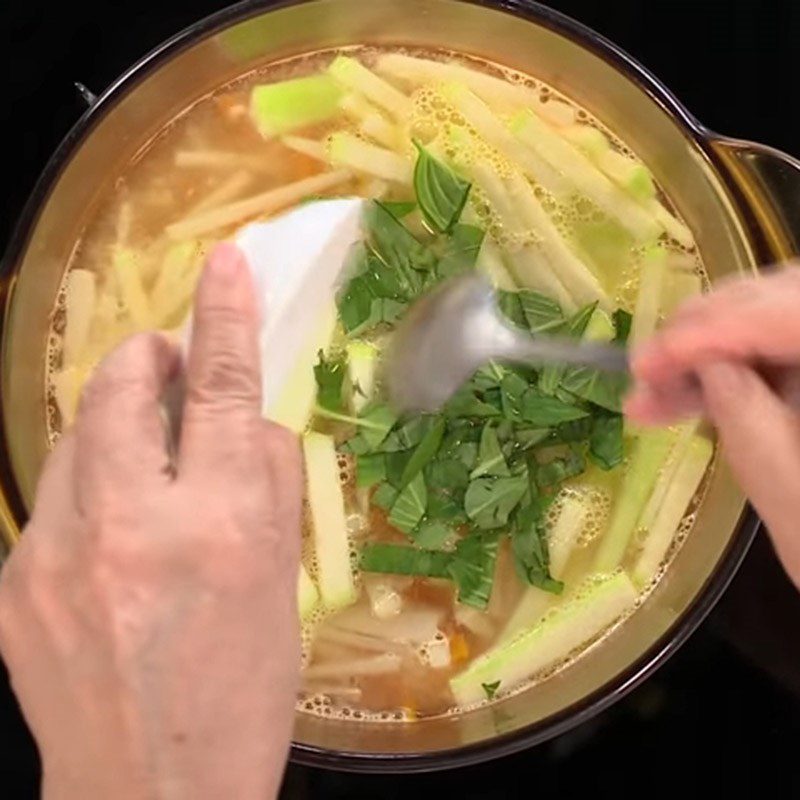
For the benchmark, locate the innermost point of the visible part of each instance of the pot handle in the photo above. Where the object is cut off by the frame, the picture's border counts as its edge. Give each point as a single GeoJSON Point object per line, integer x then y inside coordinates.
{"type": "Point", "coordinates": [770, 182]}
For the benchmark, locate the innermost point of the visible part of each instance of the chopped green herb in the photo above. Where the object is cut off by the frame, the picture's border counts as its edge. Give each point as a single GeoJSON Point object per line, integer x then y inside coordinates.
{"type": "Point", "coordinates": [370, 469]}
{"type": "Point", "coordinates": [329, 375]}
{"type": "Point", "coordinates": [490, 457]}
{"type": "Point", "coordinates": [432, 534]}
{"type": "Point", "coordinates": [409, 507]}
{"type": "Point", "coordinates": [398, 559]}
{"type": "Point", "coordinates": [472, 568]}
{"type": "Point", "coordinates": [543, 411]}
{"type": "Point", "coordinates": [605, 444]}
{"type": "Point", "coordinates": [440, 192]}
{"type": "Point", "coordinates": [622, 325]}
{"type": "Point", "coordinates": [491, 689]}
{"type": "Point", "coordinates": [425, 451]}
{"type": "Point", "coordinates": [489, 501]}
{"type": "Point", "coordinates": [461, 251]}
{"type": "Point", "coordinates": [384, 496]}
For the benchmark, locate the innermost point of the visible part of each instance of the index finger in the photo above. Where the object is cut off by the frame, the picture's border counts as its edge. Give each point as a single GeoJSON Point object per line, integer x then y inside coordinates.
{"type": "Point", "coordinates": [222, 411]}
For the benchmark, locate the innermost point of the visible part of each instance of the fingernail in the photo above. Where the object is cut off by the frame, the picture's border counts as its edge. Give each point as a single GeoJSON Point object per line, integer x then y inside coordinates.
{"type": "Point", "coordinates": [226, 261]}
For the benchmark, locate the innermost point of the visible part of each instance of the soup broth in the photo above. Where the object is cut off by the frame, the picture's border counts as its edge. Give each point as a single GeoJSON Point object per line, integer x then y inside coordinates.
{"type": "Point", "coordinates": [451, 558]}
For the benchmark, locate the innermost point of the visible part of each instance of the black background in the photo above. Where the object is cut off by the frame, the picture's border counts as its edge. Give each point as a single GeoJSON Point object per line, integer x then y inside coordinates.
{"type": "Point", "coordinates": [724, 714]}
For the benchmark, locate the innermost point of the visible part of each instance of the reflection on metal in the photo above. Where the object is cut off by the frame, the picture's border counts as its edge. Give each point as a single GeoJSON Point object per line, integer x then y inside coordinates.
{"type": "Point", "coordinates": [89, 97]}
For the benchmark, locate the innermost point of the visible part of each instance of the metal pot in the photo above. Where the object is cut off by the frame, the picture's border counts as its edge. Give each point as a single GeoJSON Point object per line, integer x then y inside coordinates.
{"type": "Point", "coordinates": [741, 200]}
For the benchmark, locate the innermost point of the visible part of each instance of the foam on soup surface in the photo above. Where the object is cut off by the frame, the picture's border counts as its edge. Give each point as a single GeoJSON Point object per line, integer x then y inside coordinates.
{"type": "Point", "coordinates": [451, 558]}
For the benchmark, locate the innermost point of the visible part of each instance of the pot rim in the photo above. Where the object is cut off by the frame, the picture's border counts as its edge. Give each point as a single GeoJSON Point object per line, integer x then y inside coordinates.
{"type": "Point", "coordinates": [705, 599]}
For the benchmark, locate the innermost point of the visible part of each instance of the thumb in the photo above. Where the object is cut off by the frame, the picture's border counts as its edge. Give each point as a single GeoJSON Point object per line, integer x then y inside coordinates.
{"type": "Point", "coordinates": [760, 438]}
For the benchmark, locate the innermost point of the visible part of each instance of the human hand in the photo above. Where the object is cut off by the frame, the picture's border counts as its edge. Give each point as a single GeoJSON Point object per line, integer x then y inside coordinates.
{"type": "Point", "coordinates": [734, 355]}
{"type": "Point", "coordinates": [148, 616]}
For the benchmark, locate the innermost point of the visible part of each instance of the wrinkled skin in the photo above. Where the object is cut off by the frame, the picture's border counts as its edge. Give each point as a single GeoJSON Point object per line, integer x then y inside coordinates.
{"type": "Point", "coordinates": [733, 355]}
{"type": "Point", "coordinates": [148, 616]}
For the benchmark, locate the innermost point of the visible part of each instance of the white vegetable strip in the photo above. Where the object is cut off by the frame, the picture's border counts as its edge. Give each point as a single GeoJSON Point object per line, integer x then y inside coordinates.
{"type": "Point", "coordinates": [361, 641]}
{"type": "Point", "coordinates": [561, 540]}
{"type": "Point", "coordinates": [529, 267]}
{"type": "Point", "coordinates": [621, 170]}
{"type": "Point", "coordinates": [377, 665]}
{"type": "Point", "coordinates": [353, 75]}
{"type": "Point", "coordinates": [81, 294]}
{"type": "Point", "coordinates": [573, 273]}
{"type": "Point", "coordinates": [129, 280]}
{"type": "Point", "coordinates": [531, 270]}
{"type": "Point", "coordinates": [495, 91]}
{"type": "Point", "coordinates": [585, 176]}
{"type": "Point", "coordinates": [233, 185]}
{"type": "Point", "coordinates": [308, 147]}
{"type": "Point", "coordinates": [203, 159]}
{"type": "Point", "coordinates": [490, 263]}
{"type": "Point", "coordinates": [325, 500]}
{"type": "Point", "coordinates": [571, 625]}
{"type": "Point", "coordinates": [260, 204]}
{"type": "Point", "coordinates": [648, 301]}
{"type": "Point", "coordinates": [671, 224]}
{"type": "Point", "coordinates": [686, 433]}
{"type": "Point", "coordinates": [344, 149]}
{"type": "Point", "coordinates": [370, 121]}
{"type": "Point", "coordinates": [679, 286]}
{"type": "Point", "coordinates": [682, 489]}
{"type": "Point", "coordinates": [307, 594]}
{"type": "Point", "coordinates": [67, 385]}
{"type": "Point", "coordinates": [495, 133]}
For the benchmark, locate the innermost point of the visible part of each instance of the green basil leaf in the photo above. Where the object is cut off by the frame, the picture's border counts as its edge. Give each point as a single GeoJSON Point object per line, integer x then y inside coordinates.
{"type": "Point", "coordinates": [409, 508]}
{"type": "Point", "coordinates": [355, 305]}
{"type": "Point", "coordinates": [384, 496]}
{"type": "Point", "coordinates": [526, 438]}
{"type": "Point", "coordinates": [376, 420]}
{"type": "Point", "coordinates": [490, 457]}
{"type": "Point", "coordinates": [530, 551]}
{"type": "Point", "coordinates": [551, 375]}
{"type": "Point", "coordinates": [578, 430]}
{"type": "Point", "coordinates": [395, 465]}
{"type": "Point", "coordinates": [329, 375]}
{"type": "Point", "coordinates": [605, 444]}
{"type": "Point", "coordinates": [465, 403]}
{"type": "Point", "coordinates": [489, 501]}
{"type": "Point", "coordinates": [604, 389]}
{"type": "Point", "coordinates": [512, 391]}
{"type": "Point", "coordinates": [441, 193]}
{"type": "Point", "coordinates": [542, 315]}
{"type": "Point", "coordinates": [370, 469]}
{"type": "Point", "coordinates": [622, 325]}
{"type": "Point", "coordinates": [399, 208]}
{"type": "Point", "coordinates": [543, 411]}
{"type": "Point", "coordinates": [447, 473]}
{"type": "Point", "coordinates": [491, 689]}
{"type": "Point", "coordinates": [472, 568]}
{"type": "Point", "coordinates": [398, 559]}
{"type": "Point", "coordinates": [410, 433]}
{"type": "Point", "coordinates": [510, 306]}
{"type": "Point", "coordinates": [432, 534]}
{"type": "Point", "coordinates": [397, 247]}
{"type": "Point", "coordinates": [461, 251]}
{"type": "Point", "coordinates": [424, 452]}
{"type": "Point", "coordinates": [556, 471]}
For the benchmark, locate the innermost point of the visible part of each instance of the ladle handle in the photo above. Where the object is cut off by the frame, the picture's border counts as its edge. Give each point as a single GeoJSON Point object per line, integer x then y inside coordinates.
{"type": "Point", "coordinates": [555, 350]}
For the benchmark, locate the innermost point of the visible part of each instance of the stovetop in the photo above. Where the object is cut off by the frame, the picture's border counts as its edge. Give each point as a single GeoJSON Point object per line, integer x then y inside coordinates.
{"type": "Point", "coordinates": [723, 715]}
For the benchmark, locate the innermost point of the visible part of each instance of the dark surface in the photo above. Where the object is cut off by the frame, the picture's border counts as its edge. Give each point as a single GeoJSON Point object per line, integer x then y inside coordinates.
{"type": "Point", "coordinates": [724, 714]}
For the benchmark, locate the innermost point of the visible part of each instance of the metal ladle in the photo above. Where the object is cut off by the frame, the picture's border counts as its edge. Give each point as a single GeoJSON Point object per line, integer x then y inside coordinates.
{"type": "Point", "coordinates": [454, 330]}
